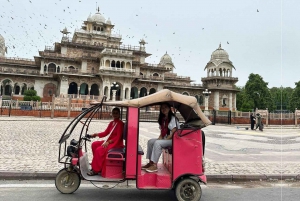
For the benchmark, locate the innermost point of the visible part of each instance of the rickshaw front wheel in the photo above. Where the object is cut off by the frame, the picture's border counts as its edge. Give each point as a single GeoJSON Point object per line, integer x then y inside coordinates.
{"type": "Point", "coordinates": [67, 182]}
{"type": "Point", "coordinates": [188, 189]}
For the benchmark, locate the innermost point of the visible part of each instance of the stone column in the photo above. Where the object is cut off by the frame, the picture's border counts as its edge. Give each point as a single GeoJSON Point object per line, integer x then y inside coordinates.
{"type": "Point", "coordinates": [89, 91]}
{"type": "Point", "coordinates": [100, 93]}
{"type": "Point", "coordinates": [216, 100]}
{"type": "Point", "coordinates": [78, 92]}
{"type": "Point", "coordinates": [42, 67]}
{"type": "Point", "coordinates": [124, 93]}
{"type": "Point", "coordinates": [230, 101]}
{"type": "Point", "coordinates": [108, 93]}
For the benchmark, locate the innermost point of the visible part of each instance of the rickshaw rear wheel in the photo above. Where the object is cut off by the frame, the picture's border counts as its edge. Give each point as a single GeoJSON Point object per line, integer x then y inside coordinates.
{"type": "Point", "coordinates": [67, 182]}
{"type": "Point", "coordinates": [188, 189]}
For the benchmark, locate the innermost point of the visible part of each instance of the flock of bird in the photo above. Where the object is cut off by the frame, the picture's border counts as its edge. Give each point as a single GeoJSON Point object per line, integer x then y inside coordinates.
{"type": "Point", "coordinates": [31, 30]}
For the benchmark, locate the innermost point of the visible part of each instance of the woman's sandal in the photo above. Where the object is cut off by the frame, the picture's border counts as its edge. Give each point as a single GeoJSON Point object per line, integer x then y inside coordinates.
{"type": "Point", "coordinates": [92, 173]}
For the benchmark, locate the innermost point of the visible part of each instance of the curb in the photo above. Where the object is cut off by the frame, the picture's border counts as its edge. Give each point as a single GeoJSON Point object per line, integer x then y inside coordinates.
{"type": "Point", "coordinates": [210, 178]}
{"type": "Point", "coordinates": [27, 175]}
{"type": "Point", "coordinates": [253, 177]}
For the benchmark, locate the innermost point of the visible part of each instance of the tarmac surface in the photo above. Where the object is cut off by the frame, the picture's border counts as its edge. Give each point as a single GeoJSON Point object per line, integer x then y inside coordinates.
{"type": "Point", "coordinates": [29, 149]}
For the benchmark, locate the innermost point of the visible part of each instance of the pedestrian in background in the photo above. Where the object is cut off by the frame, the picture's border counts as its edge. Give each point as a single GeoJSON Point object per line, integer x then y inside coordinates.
{"type": "Point", "coordinates": [252, 121]}
{"type": "Point", "coordinates": [259, 122]}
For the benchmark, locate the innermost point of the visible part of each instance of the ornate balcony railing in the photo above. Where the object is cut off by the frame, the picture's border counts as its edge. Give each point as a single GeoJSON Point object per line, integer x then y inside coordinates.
{"type": "Point", "coordinates": [117, 69]}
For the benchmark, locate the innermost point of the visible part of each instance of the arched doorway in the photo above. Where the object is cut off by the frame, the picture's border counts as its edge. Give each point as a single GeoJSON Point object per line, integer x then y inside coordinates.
{"type": "Point", "coordinates": [143, 92]}
{"type": "Point", "coordinates": [94, 90]}
{"type": "Point", "coordinates": [134, 93]}
{"type": "Point", "coordinates": [152, 91]}
{"type": "Point", "coordinates": [84, 89]}
{"type": "Point", "coordinates": [72, 88]}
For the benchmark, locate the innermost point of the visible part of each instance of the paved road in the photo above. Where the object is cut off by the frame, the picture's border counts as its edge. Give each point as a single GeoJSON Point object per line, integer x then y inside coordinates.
{"type": "Point", "coordinates": [46, 191]}
{"type": "Point", "coordinates": [31, 145]}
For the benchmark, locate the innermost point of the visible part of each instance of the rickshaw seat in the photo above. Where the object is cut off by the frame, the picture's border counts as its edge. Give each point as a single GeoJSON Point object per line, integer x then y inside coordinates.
{"type": "Point", "coordinates": [116, 153]}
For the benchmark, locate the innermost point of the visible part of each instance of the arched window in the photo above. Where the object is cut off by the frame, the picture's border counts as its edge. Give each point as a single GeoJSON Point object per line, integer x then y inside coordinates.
{"type": "Point", "coordinates": [51, 68]}
{"type": "Point", "coordinates": [113, 64]}
{"type": "Point", "coordinates": [118, 64]}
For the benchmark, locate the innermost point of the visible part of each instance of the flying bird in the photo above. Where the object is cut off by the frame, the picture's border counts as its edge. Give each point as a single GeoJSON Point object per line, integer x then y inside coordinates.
{"type": "Point", "coordinates": [227, 42]}
{"type": "Point", "coordinates": [257, 10]}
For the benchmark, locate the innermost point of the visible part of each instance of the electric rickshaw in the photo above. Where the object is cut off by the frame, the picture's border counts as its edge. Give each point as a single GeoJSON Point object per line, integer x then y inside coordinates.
{"type": "Point", "coordinates": [181, 169]}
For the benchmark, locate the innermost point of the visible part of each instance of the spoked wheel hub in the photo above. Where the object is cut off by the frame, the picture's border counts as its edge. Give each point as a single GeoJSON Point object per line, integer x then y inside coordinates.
{"type": "Point", "coordinates": [66, 181]}
{"type": "Point", "coordinates": [188, 190]}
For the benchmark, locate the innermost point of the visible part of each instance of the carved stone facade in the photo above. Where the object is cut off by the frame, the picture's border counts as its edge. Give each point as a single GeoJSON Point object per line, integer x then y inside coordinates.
{"type": "Point", "coordinates": [93, 62]}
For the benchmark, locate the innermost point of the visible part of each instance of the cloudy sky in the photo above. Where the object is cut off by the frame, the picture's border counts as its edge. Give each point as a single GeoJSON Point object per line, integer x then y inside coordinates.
{"type": "Point", "coordinates": [260, 37]}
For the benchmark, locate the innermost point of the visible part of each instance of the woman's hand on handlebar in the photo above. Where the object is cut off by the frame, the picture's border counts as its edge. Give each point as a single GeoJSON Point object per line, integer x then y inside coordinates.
{"type": "Point", "coordinates": [94, 135]}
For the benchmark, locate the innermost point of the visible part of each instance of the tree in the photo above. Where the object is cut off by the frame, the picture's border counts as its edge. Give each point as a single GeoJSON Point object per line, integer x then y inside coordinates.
{"type": "Point", "coordinates": [242, 102]}
{"type": "Point", "coordinates": [295, 97]}
{"type": "Point", "coordinates": [256, 91]}
{"type": "Point", "coordinates": [30, 95]}
{"type": "Point", "coordinates": [281, 98]}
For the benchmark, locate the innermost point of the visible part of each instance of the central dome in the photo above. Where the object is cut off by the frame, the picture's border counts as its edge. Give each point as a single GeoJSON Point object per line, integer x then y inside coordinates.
{"type": "Point", "coordinates": [97, 17]}
{"type": "Point", "coordinates": [219, 54]}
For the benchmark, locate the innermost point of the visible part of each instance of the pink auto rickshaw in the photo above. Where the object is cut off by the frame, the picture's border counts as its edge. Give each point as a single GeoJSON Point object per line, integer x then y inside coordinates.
{"type": "Point", "coordinates": [181, 169]}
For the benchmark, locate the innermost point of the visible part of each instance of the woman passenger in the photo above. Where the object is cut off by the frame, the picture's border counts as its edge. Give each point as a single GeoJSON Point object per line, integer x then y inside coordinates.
{"type": "Point", "coordinates": [168, 124]}
{"type": "Point", "coordinates": [100, 148]}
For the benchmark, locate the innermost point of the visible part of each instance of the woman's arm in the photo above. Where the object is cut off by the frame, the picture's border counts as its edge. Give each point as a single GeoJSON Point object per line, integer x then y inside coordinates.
{"type": "Point", "coordinates": [104, 133]}
{"type": "Point", "coordinates": [173, 127]}
{"type": "Point", "coordinates": [171, 133]}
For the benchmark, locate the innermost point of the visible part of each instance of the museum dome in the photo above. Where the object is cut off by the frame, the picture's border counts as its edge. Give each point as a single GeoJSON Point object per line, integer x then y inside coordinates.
{"type": "Point", "coordinates": [166, 59]}
{"type": "Point", "coordinates": [97, 17]}
{"type": "Point", "coordinates": [219, 54]}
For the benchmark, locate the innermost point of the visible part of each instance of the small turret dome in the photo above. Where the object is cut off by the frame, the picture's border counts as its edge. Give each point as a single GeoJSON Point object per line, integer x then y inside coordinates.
{"type": "Point", "coordinates": [166, 59]}
{"type": "Point", "coordinates": [89, 19]}
{"type": "Point", "coordinates": [220, 54]}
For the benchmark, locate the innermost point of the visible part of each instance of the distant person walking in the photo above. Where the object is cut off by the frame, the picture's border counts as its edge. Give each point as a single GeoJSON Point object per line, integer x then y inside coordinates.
{"type": "Point", "coordinates": [259, 122]}
{"type": "Point", "coordinates": [252, 121]}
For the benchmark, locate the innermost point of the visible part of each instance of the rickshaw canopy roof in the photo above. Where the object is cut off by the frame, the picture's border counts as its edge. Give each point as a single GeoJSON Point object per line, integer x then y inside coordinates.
{"type": "Point", "coordinates": [186, 105]}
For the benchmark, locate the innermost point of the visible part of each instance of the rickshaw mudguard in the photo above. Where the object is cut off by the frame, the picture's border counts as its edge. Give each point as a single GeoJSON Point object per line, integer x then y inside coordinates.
{"type": "Point", "coordinates": [203, 178]}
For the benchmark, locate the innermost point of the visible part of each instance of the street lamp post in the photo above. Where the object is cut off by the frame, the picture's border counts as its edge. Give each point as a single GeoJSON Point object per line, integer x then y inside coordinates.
{"type": "Point", "coordinates": [11, 97]}
{"type": "Point", "coordinates": [114, 88]}
{"type": "Point", "coordinates": [206, 93]}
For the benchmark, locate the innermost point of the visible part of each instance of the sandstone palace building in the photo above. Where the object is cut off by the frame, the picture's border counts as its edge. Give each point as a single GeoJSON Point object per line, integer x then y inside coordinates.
{"type": "Point", "coordinates": [93, 62]}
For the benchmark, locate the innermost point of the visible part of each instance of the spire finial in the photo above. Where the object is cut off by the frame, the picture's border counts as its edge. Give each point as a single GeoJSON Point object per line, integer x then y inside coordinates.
{"type": "Point", "coordinates": [98, 9]}
{"type": "Point", "coordinates": [220, 46]}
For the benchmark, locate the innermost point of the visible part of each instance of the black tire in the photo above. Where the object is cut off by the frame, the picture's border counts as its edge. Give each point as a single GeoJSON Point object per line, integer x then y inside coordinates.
{"type": "Point", "coordinates": [67, 182]}
{"type": "Point", "coordinates": [188, 190]}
